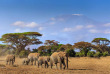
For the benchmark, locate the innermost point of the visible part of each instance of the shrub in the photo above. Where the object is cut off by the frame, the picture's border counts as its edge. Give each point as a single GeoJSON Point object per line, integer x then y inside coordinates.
{"type": "Point", "coordinates": [34, 50]}
{"type": "Point", "coordinates": [97, 54]}
{"type": "Point", "coordinates": [23, 53]}
{"type": "Point", "coordinates": [90, 53]}
{"type": "Point", "coordinates": [77, 54]}
{"type": "Point", "coordinates": [71, 53]}
{"type": "Point", "coordinates": [41, 53]}
{"type": "Point", "coordinates": [105, 53]}
{"type": "Point", "coordinates": [81, 54]}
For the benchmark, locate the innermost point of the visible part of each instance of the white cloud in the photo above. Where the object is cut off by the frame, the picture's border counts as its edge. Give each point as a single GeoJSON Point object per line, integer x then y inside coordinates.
{"type": "Point", "coordinates": [106, 31]}
{"type": "Point", "coordinates": [90, 26]}
{"type": "Point", "coordinates": [24, 24]}
{"type": "Point", "coordinates": [32, 24]}
{"type": "Point", "coordinates": [52, 23]}
{"type": "Point", "coordinates": [78, 27]}
{"type": "Point", "coordinates": [52, 19]}
{"type": "Point", "coordinates": [18, 23]}
{"type": "Point", "coordinates": [40, 28]}
{"type": "Point", "coordinates": [77, 14]}
{"type": "Point", "coordinates": [94, 31]}
{"type": "Point", "coordinates": [108, 24]}
{"type": "Point", "coordinates": [61, 19]}
{"type": "Point", "coordinates": [68, 29]}
{"type": "Point", "coordinates": [19, 30]}
{"type": "Point", "coordinates": [54, 33]}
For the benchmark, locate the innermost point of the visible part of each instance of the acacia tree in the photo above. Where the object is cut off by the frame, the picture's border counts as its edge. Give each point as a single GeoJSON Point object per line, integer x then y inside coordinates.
{"type": "Point", "coordinates": [101, 44]}
{"type": "Point", "coordinates": [83, 47]}
{"type": "Point", "coordinates": [41, 49]}
{"type": "Point", "coordinates": [4, 49]}
{"type": "Point", "coordinates": [67, 48]}
{"type": "Point", "coordinates": [18, 41]}
{"type": "Point", "coordinates": [51, 45]}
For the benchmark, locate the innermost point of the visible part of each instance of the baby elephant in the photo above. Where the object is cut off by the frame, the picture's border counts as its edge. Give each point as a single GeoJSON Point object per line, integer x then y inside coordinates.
{"type": "Point", "coordinates": [10, 59]}
{"type": "Point", "coordinates": [25, 61]}
{"type": "Point", "coordinates": [43, 60]}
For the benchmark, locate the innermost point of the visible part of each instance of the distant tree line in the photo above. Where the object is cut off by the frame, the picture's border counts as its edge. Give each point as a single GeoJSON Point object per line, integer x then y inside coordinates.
{"type": "Point", "coordinates": [15, 43]}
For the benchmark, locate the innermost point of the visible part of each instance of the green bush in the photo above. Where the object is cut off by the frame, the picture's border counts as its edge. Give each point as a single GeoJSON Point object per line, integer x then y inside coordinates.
{"type": "Point", "coordinates": [23, 53]}
{"type": "Point", "coordinates": [81, 54]}
{"type": "Point", "coordinates": [105, 53]}
{"type": "Point", "coordinates": [34, 50]}
{"type": "Point", "coordinates": [77, 54]}
{"type": "Point", "coordinates": [97, 54]}
{"type": "Point", "coordinates": [41, 53]}
{"type": "Point", "coordinates": [90, 53]}
{"type": "Point", "coordinates": [71, 53]}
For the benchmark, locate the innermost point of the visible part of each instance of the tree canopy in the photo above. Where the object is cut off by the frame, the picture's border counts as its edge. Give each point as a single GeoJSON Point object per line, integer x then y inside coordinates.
{"type": "Point", "coordinates": [101, 41]}
{"type": "Point", "coordinates": [101, 44]}
{"type": "Point", "coordinates": [20, 40]}
{"type": "Point", "coordinates": [84, 47]}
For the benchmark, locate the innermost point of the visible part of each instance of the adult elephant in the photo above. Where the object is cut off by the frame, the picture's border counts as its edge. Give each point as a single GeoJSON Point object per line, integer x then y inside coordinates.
{"type": "Point", "coordinates": [10, 59]}
{"type": "Point", "coordinates": [59, 57]}
{"type": "Point", "coordinates": [33, 57]}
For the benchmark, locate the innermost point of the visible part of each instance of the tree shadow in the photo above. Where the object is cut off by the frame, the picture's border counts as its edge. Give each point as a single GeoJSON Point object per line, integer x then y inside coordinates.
{"type": "Point", "coordinates": [2, 60]}
{"type": "Point", "coordinates": [79, 69]}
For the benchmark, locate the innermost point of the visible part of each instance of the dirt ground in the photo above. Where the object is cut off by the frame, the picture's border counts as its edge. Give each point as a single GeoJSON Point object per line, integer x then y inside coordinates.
{"type": "Point", "coordinates": [83, 65]}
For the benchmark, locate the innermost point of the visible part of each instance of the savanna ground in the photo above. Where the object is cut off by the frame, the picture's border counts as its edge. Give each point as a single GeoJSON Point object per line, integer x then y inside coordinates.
{"type": "Point", "coordinates": [83, 65]}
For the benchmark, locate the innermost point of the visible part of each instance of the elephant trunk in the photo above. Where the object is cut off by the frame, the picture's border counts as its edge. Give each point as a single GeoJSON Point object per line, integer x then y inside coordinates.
{"type": "Point", "coordinates": [14, 58]}
{"type": "Point", "coordinates": [67, 61]}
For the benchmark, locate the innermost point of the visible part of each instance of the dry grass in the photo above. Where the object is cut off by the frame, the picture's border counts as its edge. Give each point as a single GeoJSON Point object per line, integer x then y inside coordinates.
{"type": "Point", "coordinates": [83, 65]}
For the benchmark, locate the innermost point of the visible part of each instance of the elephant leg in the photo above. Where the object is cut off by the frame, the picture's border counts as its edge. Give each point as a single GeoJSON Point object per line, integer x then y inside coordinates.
{"type": "Point", "coordinates": [64, 65]}
{"type": "Point", "coordinates": [51, 64]}
{"type": "Point", "coordinates": [45, 64]}
{"type": "Point", "coordinates": [26, 63]}
{"type": "Point", "coordinates": [9, 62]}
{"type": "Point", "coordinates": [31, 62]}
{"type": "Point", "coordinates": [38, 64]}
{"type": "Point", "coordinates": [41, 65]}
{"type": "Point", "coordinates": [22, 63]}
{"type": "Point", "coordinates": [56, 65]}
{"type": "Point", "coordinates": [60, 65]}
{"type": "Point", "coordinates": [34, 61]}
{"type": "Point", "coordinates": [6, 62]}
{"type": "Point", "coordinates": [12, 62]}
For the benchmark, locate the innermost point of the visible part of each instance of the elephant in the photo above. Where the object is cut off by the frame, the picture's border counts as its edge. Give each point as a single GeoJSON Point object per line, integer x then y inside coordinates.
{"type": "Point", "coordinates": [25, 61]}
{"type": "Point", "coordinates": [59, 57]}
{"type": "Point", "coordinates": [33, 57]}
{"type": "Point", "coordinates": [10, 59]}
{"type": "Point", "coordinates": [43, 60]}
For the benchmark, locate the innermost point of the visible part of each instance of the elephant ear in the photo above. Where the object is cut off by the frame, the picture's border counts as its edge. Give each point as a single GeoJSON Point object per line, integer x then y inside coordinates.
{"type": "Point", "coordinates": [64, 54]}
{"type": "Point", "coordinates": [59, 54]}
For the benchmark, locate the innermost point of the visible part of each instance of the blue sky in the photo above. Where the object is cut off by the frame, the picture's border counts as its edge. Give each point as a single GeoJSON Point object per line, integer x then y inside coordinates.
{"type": "Point", "coordinates": [67, 21]}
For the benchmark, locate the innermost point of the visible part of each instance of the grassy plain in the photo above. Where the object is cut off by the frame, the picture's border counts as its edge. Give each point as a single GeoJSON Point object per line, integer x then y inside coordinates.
{"type": "Point", "coordinates": [83, 65]}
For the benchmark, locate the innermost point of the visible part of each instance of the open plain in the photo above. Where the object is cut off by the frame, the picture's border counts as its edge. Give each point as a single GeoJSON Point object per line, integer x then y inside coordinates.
{"type": "Point", "coordinates": [83, 65]}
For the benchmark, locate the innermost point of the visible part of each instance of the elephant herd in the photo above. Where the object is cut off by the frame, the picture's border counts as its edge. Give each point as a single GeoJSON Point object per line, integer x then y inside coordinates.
{"type": "Point", "coordinates": [55, 58]}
